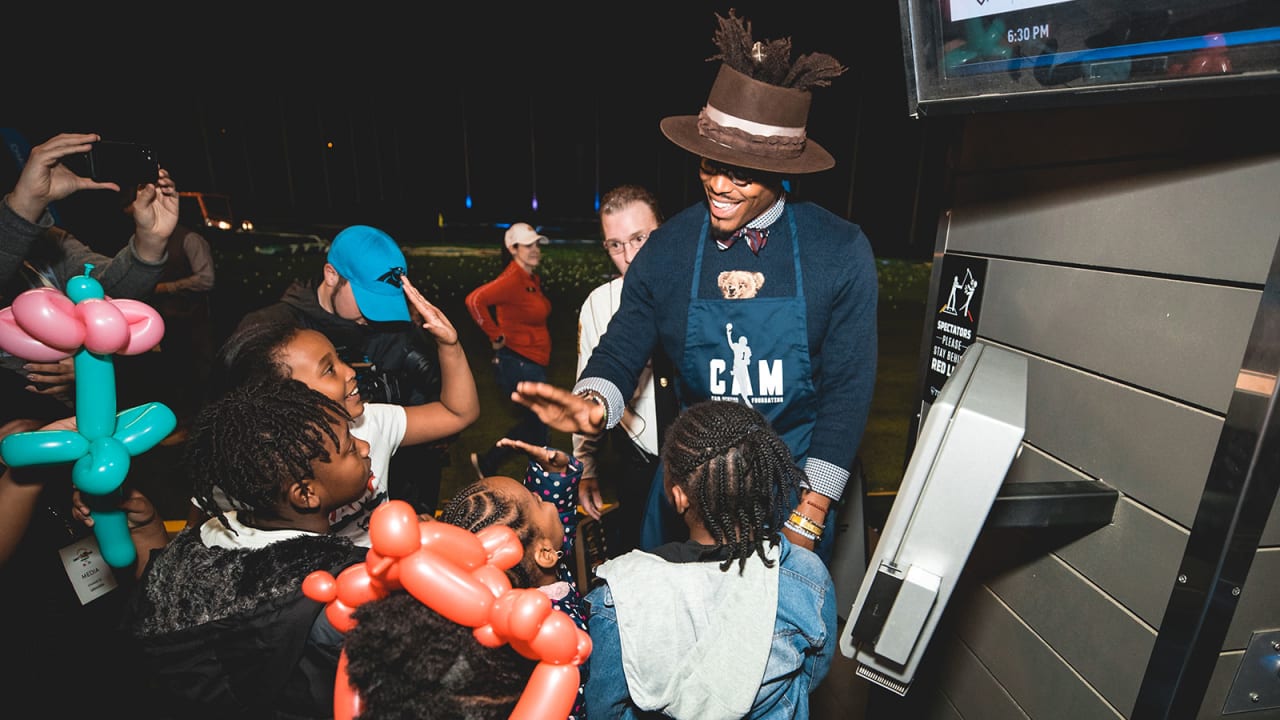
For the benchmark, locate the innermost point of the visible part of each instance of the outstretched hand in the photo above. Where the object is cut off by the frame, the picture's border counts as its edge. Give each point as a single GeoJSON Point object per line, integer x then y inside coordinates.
{"type": "Point", "coordinates": [560, 409]}
{"type": "Point", "coordinates": [433, 320]}
{"type": "Point", "coordinates": [551, 459]}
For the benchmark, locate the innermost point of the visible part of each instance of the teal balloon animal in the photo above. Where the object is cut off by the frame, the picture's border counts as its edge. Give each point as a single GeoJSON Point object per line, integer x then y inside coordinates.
{"type": "Point", "coordinates": [43, 325]}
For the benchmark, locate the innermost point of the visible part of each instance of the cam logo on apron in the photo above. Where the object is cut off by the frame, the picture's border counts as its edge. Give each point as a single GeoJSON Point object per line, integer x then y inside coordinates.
{"type": "Point", "coordinates": [732, 379]}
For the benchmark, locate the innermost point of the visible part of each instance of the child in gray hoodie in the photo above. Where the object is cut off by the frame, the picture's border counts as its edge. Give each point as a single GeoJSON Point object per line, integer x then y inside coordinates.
{"type": "Point", "coordinates": [735, 622]}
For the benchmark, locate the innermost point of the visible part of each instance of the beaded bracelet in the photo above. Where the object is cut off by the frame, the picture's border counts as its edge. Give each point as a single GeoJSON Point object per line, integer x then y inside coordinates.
{"type": "Point", "coordinates": [799, 531]}
{"type": "Point", "coordinates": [815, 505]}
{"type": "Point", "coordinates": [594, 396]}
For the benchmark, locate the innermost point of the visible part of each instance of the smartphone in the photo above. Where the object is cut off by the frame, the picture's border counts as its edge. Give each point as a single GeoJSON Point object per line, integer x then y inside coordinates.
{"type": "Point", "coordinates": [127, 164]}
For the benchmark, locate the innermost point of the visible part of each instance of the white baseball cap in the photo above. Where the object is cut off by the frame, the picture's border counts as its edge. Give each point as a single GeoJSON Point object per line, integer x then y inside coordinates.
{"type": "Point", "coordinates": [523, 234]}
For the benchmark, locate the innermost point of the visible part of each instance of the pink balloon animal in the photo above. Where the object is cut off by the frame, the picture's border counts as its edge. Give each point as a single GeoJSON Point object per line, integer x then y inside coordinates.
{"type": "Point", "coordinates": [43, 325]}
{"type": "Point", "coordinates": [460, 575]}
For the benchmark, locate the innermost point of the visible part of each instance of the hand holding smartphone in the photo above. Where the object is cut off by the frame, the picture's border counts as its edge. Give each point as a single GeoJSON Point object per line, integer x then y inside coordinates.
{"type": "Point", "coordinates": [127, 164]}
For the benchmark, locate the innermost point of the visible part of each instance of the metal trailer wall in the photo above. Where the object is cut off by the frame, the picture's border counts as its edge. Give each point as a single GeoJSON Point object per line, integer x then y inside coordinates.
{"type": "Point", "coordinates": [1127, 253]}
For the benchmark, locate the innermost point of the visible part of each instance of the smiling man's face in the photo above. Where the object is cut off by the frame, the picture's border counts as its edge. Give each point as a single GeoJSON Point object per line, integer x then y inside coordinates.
{"type": "Point", "coordinates": [735, 195]}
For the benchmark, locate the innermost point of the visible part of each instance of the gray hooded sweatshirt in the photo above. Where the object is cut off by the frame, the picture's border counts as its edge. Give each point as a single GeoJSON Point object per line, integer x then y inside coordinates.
{"type": "Point", "coordinates": [694, 644]}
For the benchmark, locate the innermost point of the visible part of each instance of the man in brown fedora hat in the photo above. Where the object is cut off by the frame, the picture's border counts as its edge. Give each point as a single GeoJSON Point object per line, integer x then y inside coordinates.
{"type": "Point", "coordinates": [755, 297]}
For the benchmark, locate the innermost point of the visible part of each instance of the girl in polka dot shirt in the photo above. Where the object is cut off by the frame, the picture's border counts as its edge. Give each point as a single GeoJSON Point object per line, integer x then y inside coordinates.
{"type": "Point", "coordinates": [552, 476]}
{"type": "Point", "coordinates": [543, 510]}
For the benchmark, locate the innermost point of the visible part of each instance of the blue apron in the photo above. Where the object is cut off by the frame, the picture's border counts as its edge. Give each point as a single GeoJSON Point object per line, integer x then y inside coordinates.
{"type": "Point", "coordinates": [754, 351]}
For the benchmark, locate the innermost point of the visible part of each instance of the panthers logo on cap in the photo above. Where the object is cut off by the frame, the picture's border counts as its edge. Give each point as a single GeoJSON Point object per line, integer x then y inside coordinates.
{"type": "Point", "coordinates": [392, 276]}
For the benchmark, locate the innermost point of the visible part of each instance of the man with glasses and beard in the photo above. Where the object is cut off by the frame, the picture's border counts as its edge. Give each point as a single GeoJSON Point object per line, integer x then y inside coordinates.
{"type": "Point", "coordinates": [628, 215]}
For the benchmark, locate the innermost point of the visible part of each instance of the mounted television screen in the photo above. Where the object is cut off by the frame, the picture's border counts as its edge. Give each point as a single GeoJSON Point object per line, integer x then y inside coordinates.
{"type": "Point", "coordinates": [977, 55]}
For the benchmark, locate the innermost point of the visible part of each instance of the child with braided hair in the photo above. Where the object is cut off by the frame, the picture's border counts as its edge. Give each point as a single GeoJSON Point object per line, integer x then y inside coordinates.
{"type": "Point", "coordinates": [219, 614]}
{"type": "Point", "coordinates": [736, 621]}
{"type": "Point", "coordinates": [543, 511]}
{"type": "Point", "coordinates": [409, 661]}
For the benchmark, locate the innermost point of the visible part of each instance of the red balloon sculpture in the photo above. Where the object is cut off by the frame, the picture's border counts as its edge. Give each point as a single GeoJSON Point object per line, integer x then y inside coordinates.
{"type": "Point", "coordinates": [460, 575]}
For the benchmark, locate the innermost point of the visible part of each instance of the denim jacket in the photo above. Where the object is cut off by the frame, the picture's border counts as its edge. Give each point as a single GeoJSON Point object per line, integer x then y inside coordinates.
{"type": "Point", "coordinates": [804, 640]}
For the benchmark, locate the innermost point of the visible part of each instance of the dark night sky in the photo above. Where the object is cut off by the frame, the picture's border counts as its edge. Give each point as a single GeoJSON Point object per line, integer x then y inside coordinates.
{"type": "Point", "coordinates": [561, 102]}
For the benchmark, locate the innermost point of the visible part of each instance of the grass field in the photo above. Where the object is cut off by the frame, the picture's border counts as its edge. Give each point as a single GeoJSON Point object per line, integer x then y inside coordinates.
{"type": "Point", "coordinates": [250, 277]}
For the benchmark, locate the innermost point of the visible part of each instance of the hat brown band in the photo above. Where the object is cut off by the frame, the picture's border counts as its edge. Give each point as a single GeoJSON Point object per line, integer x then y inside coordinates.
{"type": "Point", "coordinates": [752, 124]}
{"type": "Point", "coordinates": [784, 143]}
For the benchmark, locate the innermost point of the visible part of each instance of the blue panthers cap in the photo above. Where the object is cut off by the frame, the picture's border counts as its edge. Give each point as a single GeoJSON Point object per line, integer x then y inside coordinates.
{"type": "Point", "coordinates": [372, 262]}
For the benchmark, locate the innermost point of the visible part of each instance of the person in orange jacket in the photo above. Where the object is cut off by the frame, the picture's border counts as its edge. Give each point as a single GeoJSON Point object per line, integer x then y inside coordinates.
{"type": "Point", "coordinates": [512, 311]}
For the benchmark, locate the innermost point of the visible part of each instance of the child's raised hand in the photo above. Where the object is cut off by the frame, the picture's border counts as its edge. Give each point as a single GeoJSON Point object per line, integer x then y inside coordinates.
{"type": "Point", "coordinates": [433, 321]}
{"type": "Point", "coordinates": [551, 460]}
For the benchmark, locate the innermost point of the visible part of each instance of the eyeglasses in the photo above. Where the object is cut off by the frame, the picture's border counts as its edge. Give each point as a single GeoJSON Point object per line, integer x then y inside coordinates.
{"type": "Point", "coordinates": [615, 247]}
{"type": "Point", "coordinates": [738, 176]}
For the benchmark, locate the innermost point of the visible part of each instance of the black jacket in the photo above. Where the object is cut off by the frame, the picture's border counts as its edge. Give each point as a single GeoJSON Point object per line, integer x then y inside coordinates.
{"type": "Point", "coordinates": [228, 633]}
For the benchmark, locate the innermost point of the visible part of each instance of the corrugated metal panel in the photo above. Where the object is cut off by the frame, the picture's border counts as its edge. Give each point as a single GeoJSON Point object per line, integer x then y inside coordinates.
{"type": "Point", "coordinates": [1171, 223]}
{"type": "Point", "coordinates": [1180, 339]}
{"type": "Point", "coordinates": [1035, 676]}
{"type": "Point", "coordinates": [1215, 697]}
{"type": "Point", "coordinates": [1134, 559]}
{"type": "Point", "coordinates": [1147, 447]}
{"type": "Point", "coordinates": [969, 687]}
{"type": "Point", "coordinates": [1078, 620]}
{"type": "Point", "coordinates": [1271, 533]}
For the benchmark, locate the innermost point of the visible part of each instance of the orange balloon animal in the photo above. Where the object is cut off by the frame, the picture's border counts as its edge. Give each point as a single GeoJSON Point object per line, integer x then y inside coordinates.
{"type": "Point", "coordinates": [460, 575]}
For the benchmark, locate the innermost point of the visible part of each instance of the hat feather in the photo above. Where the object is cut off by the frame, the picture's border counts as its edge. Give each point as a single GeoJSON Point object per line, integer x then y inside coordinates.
{"type": "Point", "coordinates": [770, 60]}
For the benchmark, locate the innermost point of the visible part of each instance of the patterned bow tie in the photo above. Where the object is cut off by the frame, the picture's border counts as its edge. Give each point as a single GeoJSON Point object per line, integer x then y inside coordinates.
{"type": "Point", "coordinates": [756, 238]}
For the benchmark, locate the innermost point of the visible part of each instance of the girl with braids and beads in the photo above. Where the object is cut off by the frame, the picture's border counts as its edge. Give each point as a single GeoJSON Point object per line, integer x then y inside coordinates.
{"type": "Point", "coordinates": [736, 621]}
{"type": "Point", "coordinates": [219, 615]}
{"type": "Point", "coordinates": [543, 510]}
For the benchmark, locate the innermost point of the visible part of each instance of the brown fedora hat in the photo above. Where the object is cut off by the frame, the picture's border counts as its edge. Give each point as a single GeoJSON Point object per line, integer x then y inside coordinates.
{"type": "Point", "coordinates": [752, 124]}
